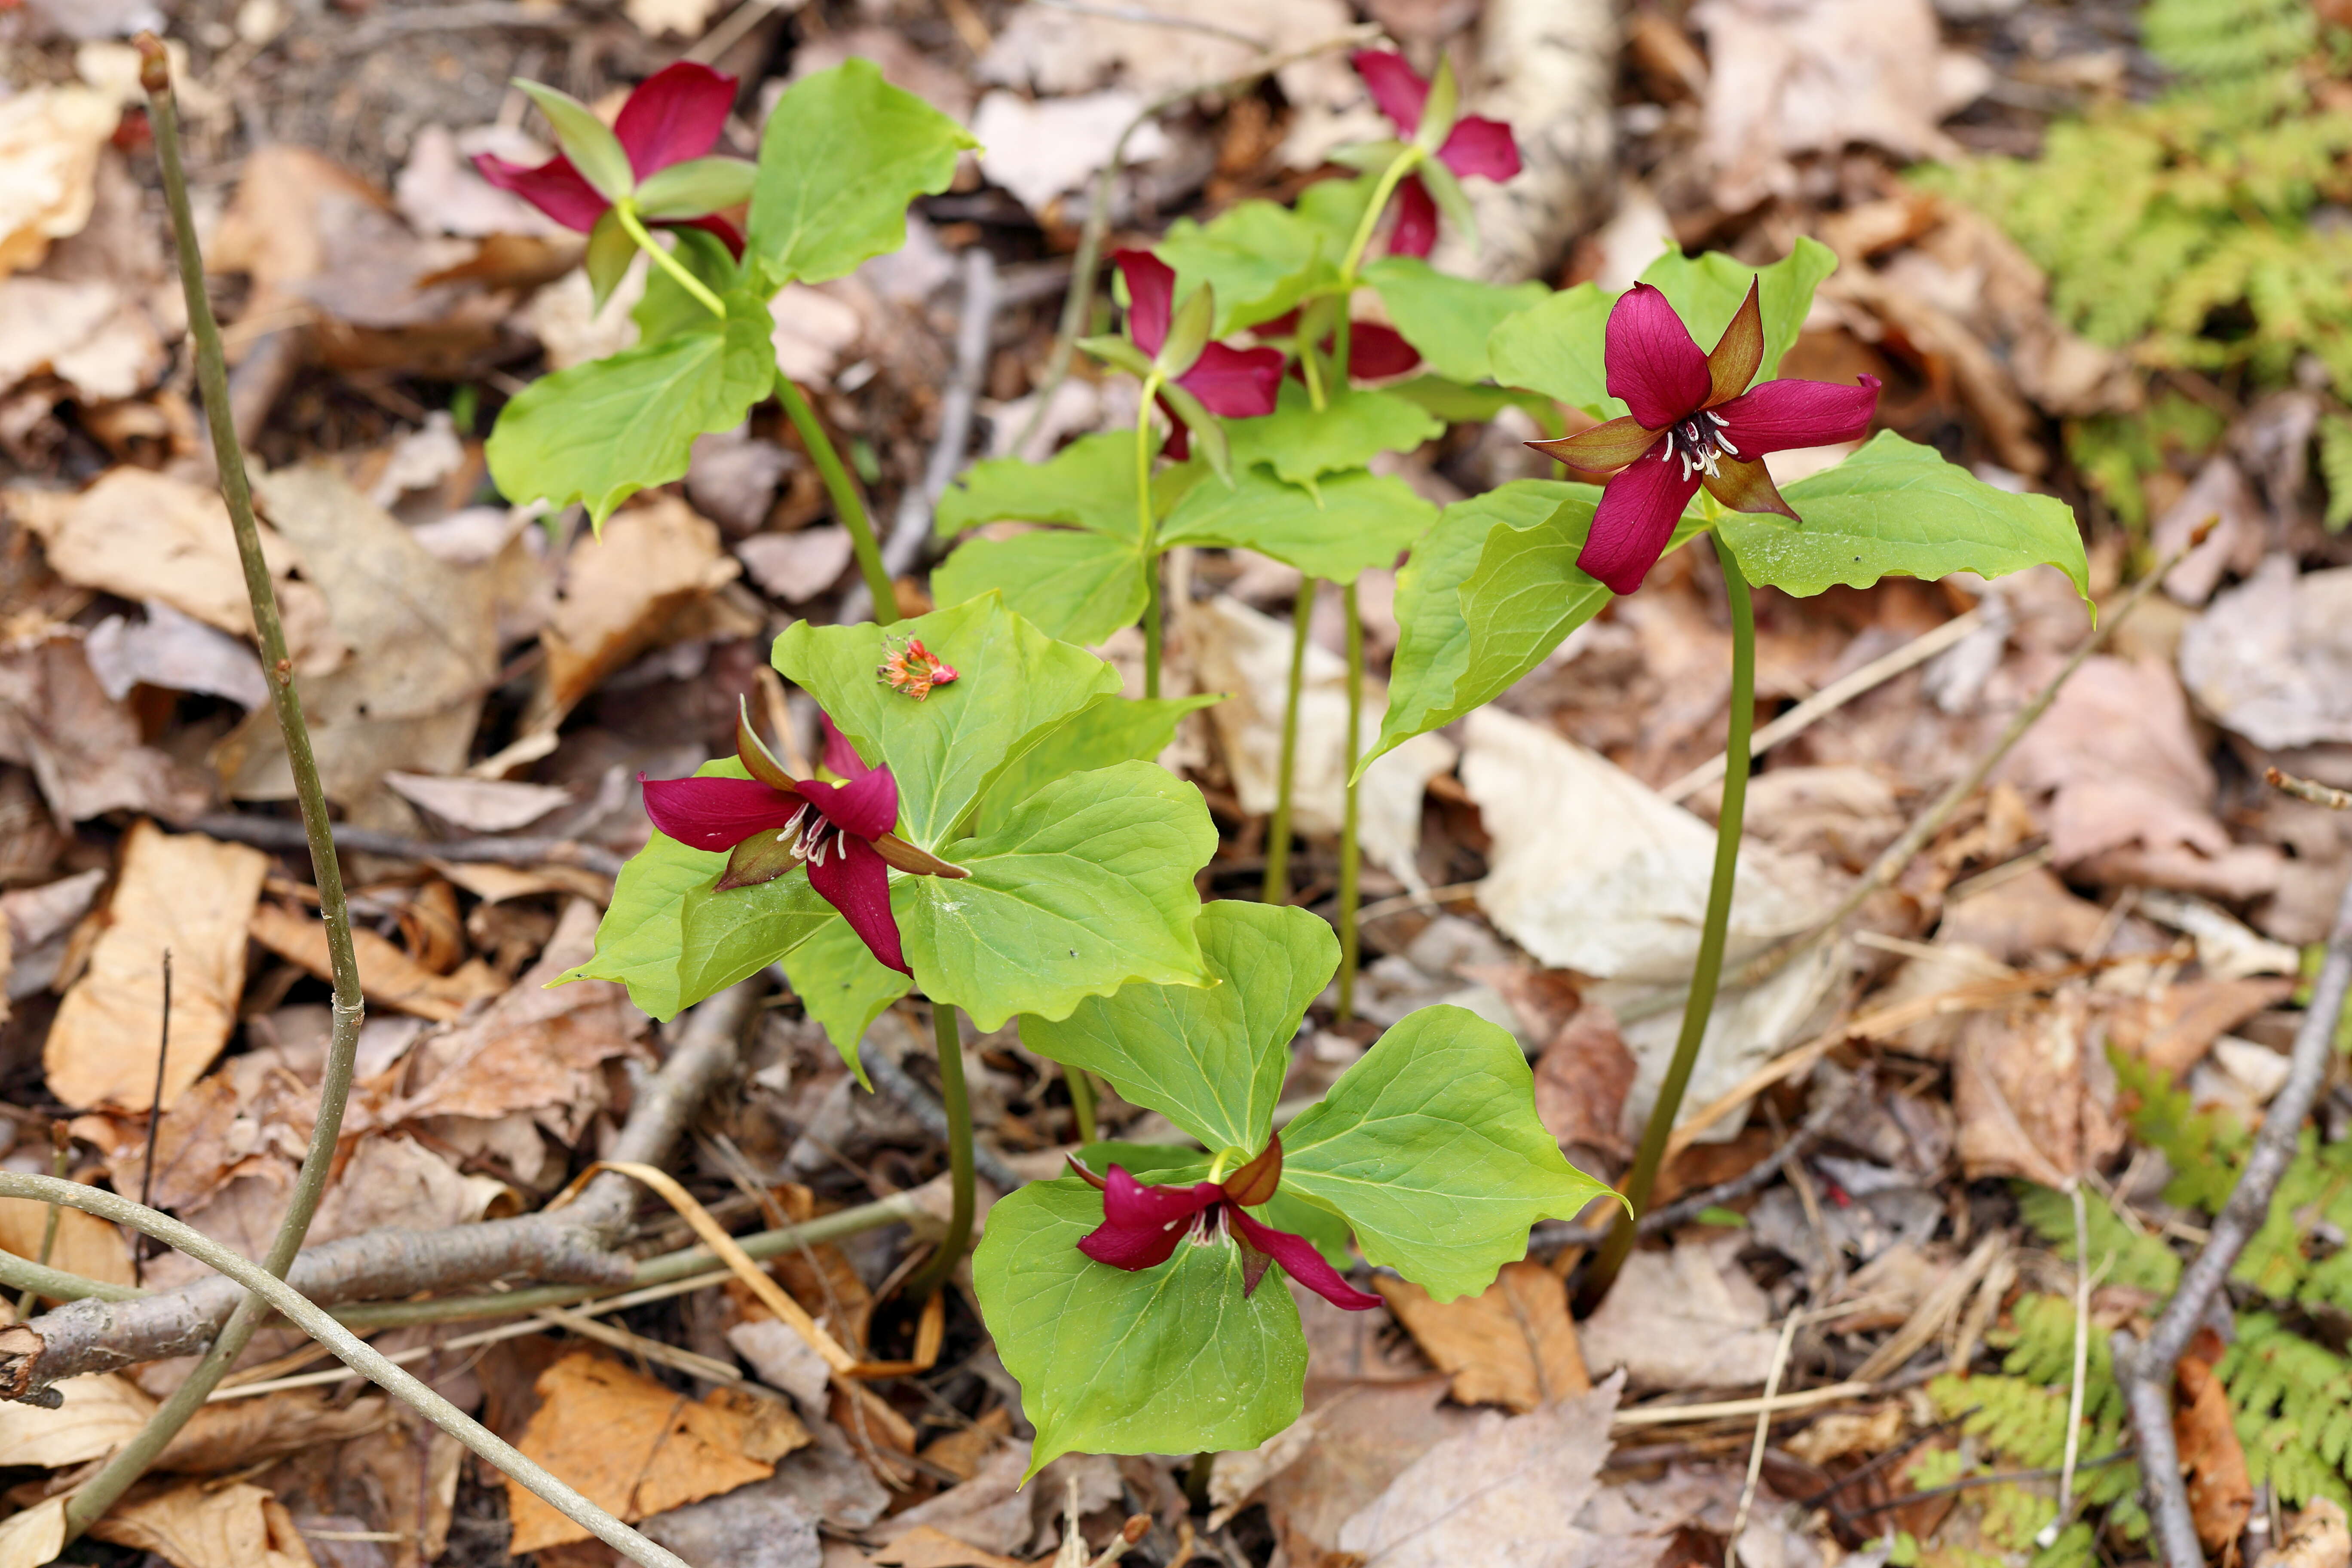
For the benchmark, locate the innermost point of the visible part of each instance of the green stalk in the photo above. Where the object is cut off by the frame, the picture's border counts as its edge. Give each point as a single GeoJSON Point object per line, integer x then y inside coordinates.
{"type": "Point", "coordinates": [1082, 1100]}
{"type": "Point", "coordinates": [1277, 832]}
{"type": "Point", "coordinates": [1147, 533]}
{"type": "Point", "coordinates": [630, 224]}
{"type": "Point", "coordinates": [60, 1166]}
{"type": "Point", "coordinates": [956, 1098]}
{"type": "Point", "coordinates": [132, 1459]}
{"type": "Point", "coordinates": [1404, 163]}
{"type": "Point", "coordinates": [845, 502]}
{"type": "Point", "coordinates": [1652, 1155]}
{"type": "Point", "coordinates": [1351, 851]}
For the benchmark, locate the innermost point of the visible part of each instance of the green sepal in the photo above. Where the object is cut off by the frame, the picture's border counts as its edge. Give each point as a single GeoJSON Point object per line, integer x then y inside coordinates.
{"type": "Point", "coordinates": [1366, 156]}
{"type": "Point", "coordinates": [1429, 1148]}
{"type": "Point", "coordinates": [1452, 199]}
{"type": "Point", "coordinates": [843, 155]}
{"type": "Point", "coordinates": [1078, 586]}
{"type": "Point", "coordinates": [1114, 350]}
{"type": "Point", "coordinates": [1014, 685]}
{"type": "Point", "coordinates": [587, 140]}
{"type": "Point", "coordinates": [1355, 521]}
{"type": "Point", "coordinates": [1176, 1165]}
{"type": "Point", "coordinates": [1447, 319]}
{"type": "Point", "coordinates": [1210, 1057]}
{"type": "Point", "coordinates": [1898, 509]}
{"type": "Point", "coordinates": [843, 987]}
{"type": "Point", "coordinates": [1188, 332]}
{"type": "Point", "coordinates": [600, 432]}
{"type": "Point", "coordinates": [1111, 728]}
{"type": "Point", "coordinates": [1174, 1359]}
{"type": "Point", "coordinates": [1440, 110]}
{"type": "Point", "coordinates": [1207, 430]}
{"type": "Point", "coordinates": [1301, 442]}
{"type": "Point", "coordinates": [606, 261]}
{"type": "Point", "coordinates": [696, 188]}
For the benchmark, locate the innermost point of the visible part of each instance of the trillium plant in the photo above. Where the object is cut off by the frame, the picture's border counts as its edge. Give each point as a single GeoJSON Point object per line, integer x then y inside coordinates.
{"type": "Point", "coordinates": [986, 827]}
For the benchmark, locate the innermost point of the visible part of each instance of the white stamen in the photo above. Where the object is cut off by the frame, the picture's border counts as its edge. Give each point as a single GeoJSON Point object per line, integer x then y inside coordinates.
{"type": "Point", "coordinates": [1726, 446]}
{"type": "Point", "coordinates": [1719, 419]}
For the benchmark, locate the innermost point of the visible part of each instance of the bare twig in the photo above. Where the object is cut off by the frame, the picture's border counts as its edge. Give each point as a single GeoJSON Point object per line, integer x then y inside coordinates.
{"type": "Point", "coordinates": [1145, 17]}
{"type": "Point", "coordinates": [1763, 1430]}
{"type": "Point", "coordinates": [276, 833]}
{"type": "Point", "coordinates": [60, 1165]}
{"type": "Point", "coordinates": [2312, 790]}
{"type": "Point", "coordinates": [1729, 1409]}
{"type": "Point", "coordinates": [352, 1351]}
{"type": "Point", "coordinates": [2146, 1369]}
{"type": "Point", "coordinates": [154, 1128]}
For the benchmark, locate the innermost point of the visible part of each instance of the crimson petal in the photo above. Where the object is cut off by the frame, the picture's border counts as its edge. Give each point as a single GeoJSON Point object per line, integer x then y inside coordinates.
{"type": "Point", "coordinates": [1636, 517]}
{"type": "Point", "coordinates": [554, 187]}
{"type": "Point", "coordinates": [1150, 297]}
{"type": "Point", "coordinates": [1481, 146]}
{"type": "Point", "coordinates": [1177, 447]}
{"type": "Point", "coordinates": [868, 806]}
{"type": "Point", "coordinates": [728, 233]}
{"type": "Point", "coordinates": [1415, 233]}
{"type": "Point", "coordinates": [675, 114]}
{"type": "Point", "coordinates": [1238, 383]}
{"type": "Point", "coordinates": [716, 813]}
{"type": "Point", "coordinates": [1304, 1262]}
{"type": "Point", "coordinates": [1141, 1225]}
{"type": "Point", "coordinates": [855, 880]}
{"type": "Point", "coordinates": [1782, 415]}
{"type": "Point", "coordinates": [1395, 86]}
{"type": "Point", "coordinates": [1652, 363]}
{"type": "Point", "coordinates": [1376, 352]}
{"type": "Point", "coordinates": [841, 758]}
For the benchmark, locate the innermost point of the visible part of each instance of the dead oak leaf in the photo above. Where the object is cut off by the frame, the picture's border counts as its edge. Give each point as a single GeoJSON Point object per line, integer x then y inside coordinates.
{"type": "Point", "coordinates": [1513, 1345]}
{"type": "Point", "coordinates": [2034, 1097]}
{"type": "Point", "coordinates": [388, 976]}
{"type": "Point", "coordinates": [2220, 1493]}
{"type": "Point", "coordinates": [84, 748]}
{"type": "Point", "coordinates": [623, 595]}
{"type": "Point", "coordinates": [1581, 1082]}
{"type": "Point", "coordinates": [194, 1526]}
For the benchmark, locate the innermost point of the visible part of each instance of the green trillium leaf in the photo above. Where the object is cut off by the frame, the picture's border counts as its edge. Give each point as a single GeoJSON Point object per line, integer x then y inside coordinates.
{"type": "Point", "coordinates": [1210, 1058]}
{"type": "Point", "coordinates": [843, 154]}
{"type": "Point", "coordinates": [696, 188]}
{"type": "Point", "coordinates": [1446, 318]}
{"type": "Point", "coordinates": [843, 986]}
{"type": "Point", "coordinates": [587, 140]}
{"type": "Point", "coordinates": [1085, 887]}
{"type": "Point", "coordinates": [1360, 521]}
{"type": "Point", "coordinates": [1459, 405]}
{"type": "Point", "coordinates": [600, 432]}
{"type": "Point", "coordinates": [667, 309]}
{"type": "Point", "coordinates": [1429, 1148]}
{"type": "Point", "coordinates": [1896, 508]}
{"type": "Point", "coordinates": [1300, 441]}
{"type": "Point", "coordinates": [1112, 728]}
{"type": "Point", "coordinates": [1260, 258]}
{"type": "Point", "coordinates": [1090, 483]}
{"type": "Point", "coordinates": [1172, 1360]}
{"type": "Point", "coordinates": [1177, 1166]}
{"type": "Point", "coordinates": [1078, 586]}
{"type": "Point", "coordinates": [1015, 684]}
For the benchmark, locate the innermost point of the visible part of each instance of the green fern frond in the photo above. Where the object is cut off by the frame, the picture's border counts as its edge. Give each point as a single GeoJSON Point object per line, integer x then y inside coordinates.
{"type": "Point", "coordinates": [2129, 1256]}
{"type": "Point", "coordinates": [2205, 1148]}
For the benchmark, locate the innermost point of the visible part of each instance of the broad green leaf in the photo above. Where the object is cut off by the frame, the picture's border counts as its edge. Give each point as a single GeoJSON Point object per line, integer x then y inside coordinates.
{"type": "Point", "coordinates": [1360, 521]}
{"type": "Point", "coordinates": [1176, 1165]}
{"type": "Point", "coordinates": [1555, 348]}
{"type": "Point", "coordinates": [1429, 1148]}
{"type": "Point", "coordinates": [1300, 441]}
{"type": "Point", "coordinates": [1260, 258]}
{"type": "Point", "coordinates": [587, 140]}
{"type": "Point", "coordinates": [843, 154]}
{"type": "Point", "coordinates": [1090, 483]}
{"type": "Point", "coordinates": [696, 188]}
{"type": "Point", "coordinates": [1112, 728]}
{"type": "Point", "coordinates": [1445, 317]}
{"type": "Point", "coordinates": [1086, 887]}
{"type": "Point", "coordinates": [666, 309]}
{"type": "Point", "coordinates": [843, 986]}
{"type": "Point", "coordinates": [1172, 1360]}
{"type": "Point", "coordinates": [1895, 508]}
{"type": "Point", "coordinates": [1076, 585]}
{"type": "Point", "coordinates": [1013, 684]}
{"type": "Point", "coordinates": [733, 935]}
{"type": "Point", "coordinates": [1211, 1057]}
{"type": "Point", "coordinates": [1459, 405]}
{"type": "Point", "coordinates": [600, 432]}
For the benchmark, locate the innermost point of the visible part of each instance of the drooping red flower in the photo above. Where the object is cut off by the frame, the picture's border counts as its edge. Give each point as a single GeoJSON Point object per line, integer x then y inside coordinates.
{"type": "Point", "coordinates": [1375, 353]}
{"type": "Point", "coordinates": [772, 822]}
{"type": "Point", "coordinates": [1142, 1227]}
{"type": "Point", "coordinates": [1694, 421]}
{"type": "Point", "coordinates": [1476, 145]}
{"type": "Point", "coordinates": [1235, 384]}
{"type": "Point", "coordinates": [673, 115]}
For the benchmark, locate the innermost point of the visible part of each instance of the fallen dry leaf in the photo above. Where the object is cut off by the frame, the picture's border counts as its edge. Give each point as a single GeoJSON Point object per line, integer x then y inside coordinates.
{"type": "Point", "coordinates": [195, 1526]}
{"type": "Point", "coordinates": [762, 1525]}
{"type": "Point", "coordinates": [397, 1183]}
{"type": "Point", "coordinates": [1368, 1433]}
{"type": "Point", "coordinates": [924, 1547]}
{"type": "Point", "coordinates": [1684, 1318]}
{"type": "Point", "coordinates": [1835, 1435]}
{"type": "Point", "coordinates": [687, 18]}
{"type": "Point", "coordinates": [34, 1538]}
{"type": "Point", "coordinates": [1041, 151]}
{"type": "Point", "coordinates": [1581, 1082]}
{"type": "Point", "coordinates": [1059, 52]}
{"type": "Point", "coordinates": [2271, 658]}
{"type": "Point", "coordinates": [49, 143]}
{"type": "Point", "coordinates": [100, 1414]}
{"type": "Point", "coordinates": [2221, 1493]}
{"type": "Point", "coordinates": [479, 806]}
{"type": "Point", "coordinates": [622, 594]}
{"type": "Point", "coordinates": [2034, 1096]}
{"type": "Point", "coordinates": [2316, 1539]}
{"type": "Point", "coordinates": [2171, 1025]}
{"type": "Point", "coordinates": [235, 1433]}
{"type": "Point", "coordinates": [388, 976]}
{"type": "Point", "coordinates": [1512, 1346]}
{"type": "Point", "coordinates": [85, 751]}
{"type": "Point", "coordinates": [634, 1446]}
{"type": "Point", "coordinates": [85, 1245]}
{"type": "Point", "coordinates": [173, 652]}
{"type": "Point", "coordinates": [181, 891]}
{"type": "Point", "coordinates": [1496, 1493]}
{"type": "Point", "coordinates": [796, 567]}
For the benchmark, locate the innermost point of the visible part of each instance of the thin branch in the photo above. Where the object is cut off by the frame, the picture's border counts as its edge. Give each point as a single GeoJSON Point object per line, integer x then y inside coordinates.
{"type": "Point", "coordinates": [349, 1349]}
{"type": "Point", "coordinates": [2312, 790]}
{"type": "Point", "coordinates": [276, 833]}
{"type": "Point", "coordinates": [2146, 1369]}
{"type": "Point", "coordinates": [154, 1127]}
{"type": "Point", "coordinates": [1145, 17]}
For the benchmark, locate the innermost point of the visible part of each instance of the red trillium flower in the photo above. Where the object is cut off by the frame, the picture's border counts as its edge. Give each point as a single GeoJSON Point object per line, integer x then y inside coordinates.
{"type": "Point", "coordinates": [1694, 421]}
{"type": "Point", "coordinates": [676, 114]}
{"type": "Point", "coordinates": [1238, 383]}
{"type": "Point", "coordinates": [1142, 1227]}
{"type": "Point", "coordinates": [1476, 145]}
{"type": "Point", "coordinates": [1375, 353]}
{"type": "Point", "coordinates": [772, 822]}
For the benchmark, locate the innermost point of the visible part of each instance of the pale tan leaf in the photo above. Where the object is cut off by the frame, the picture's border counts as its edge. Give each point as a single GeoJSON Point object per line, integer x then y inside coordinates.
{"type": "Point", "coordinates": [193, 1526]}
{"type": "Point", "coordinates": [235, 1433]}
{"type": "Point", "coordinates": [100, 1414]}
{"type": "Point", "coordinates": [85, 749]}
{"type": "Point", "coordinates": [49, 143]}
{"type": "Point", "coordinates": [85, 1245]}
{"type": "Point", "coordinates": [388, 976]}
{"type": "Point", "coordinates": [926, 1547]}
{"type": "Point", "coordinates": [623, 592]}
{"type": "Point", "coordinates": [479, 806]}
{"type": "Point", "coordinates": [1513, 1345]}
{"type": "Point", "coordinates": [1681, 1320]}
{"type": "Point", "coordinates": [36, 1536]}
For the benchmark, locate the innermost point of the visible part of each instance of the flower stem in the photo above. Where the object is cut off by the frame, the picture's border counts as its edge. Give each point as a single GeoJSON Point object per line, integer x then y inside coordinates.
{"type": "Point", "coordinates": [636, 229]}
{"type": "Point", "coordinates": [949, 1039]}
{"type": "Point", "coordinates": [1082, 1100]}
{"type": "Point", "coordinates": [1147, 533]}
{"type": "Point", "coordinates": [1404, 163]}
{"type": "Point", "coordinates": [130, 1461]}
{"type": "Point", "coordinates": [1350, 850]}
{"type": "Point", "coordinates": [1277, 832]}
{"type": "Point", "coordinates": [845, 502]}
{"type": "Point", "coordinates": [1645, 1177]}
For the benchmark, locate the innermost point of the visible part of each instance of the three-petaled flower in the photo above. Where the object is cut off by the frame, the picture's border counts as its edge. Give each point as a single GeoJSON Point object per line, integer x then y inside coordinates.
{"type": "Point", "coordinates": [1236, 383]}
{"type": "Point", "coordinates": [1143, 1227]}
{"type": "Point", "coordinates": [1471, 145]}
{"type": "Point", "coordinates": [1375, 353]}
{"type": "Point", "coordinates": [670, 122]}
{"type": "Point", "coordinates": [1694, 421]}
{"type": "Point", "coordinates": [772, 822]}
